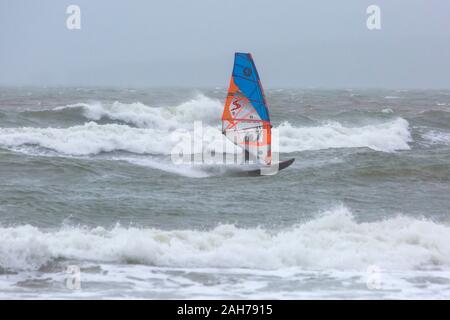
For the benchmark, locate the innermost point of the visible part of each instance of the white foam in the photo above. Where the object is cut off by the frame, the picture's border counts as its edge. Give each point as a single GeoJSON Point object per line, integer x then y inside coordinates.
{"type": "Point", "coordinates": [201, 108]}
{"type": "Point", "coordinates": [332, 240]}
{"type": "Point", "coordinates": [388, 136]}
{"type": "Point", "coordinates": [92, 138]}
{"type": "Point", "coordinates": [161, 128]}
{"type": "Point", "coordinates": [437, 137]}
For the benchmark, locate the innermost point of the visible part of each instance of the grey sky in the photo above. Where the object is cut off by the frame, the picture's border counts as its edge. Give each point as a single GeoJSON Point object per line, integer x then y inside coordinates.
{"type": "Point", "coordinates": [313, 43]}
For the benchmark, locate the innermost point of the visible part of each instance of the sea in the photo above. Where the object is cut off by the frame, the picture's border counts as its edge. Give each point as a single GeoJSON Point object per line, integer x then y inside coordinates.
{"type": "Point", "coordinates": [93, 206]}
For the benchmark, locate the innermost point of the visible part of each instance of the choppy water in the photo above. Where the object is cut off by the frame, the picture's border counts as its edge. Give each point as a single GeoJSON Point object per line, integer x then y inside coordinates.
{"type": "Point", "coordinates": [86, 180]}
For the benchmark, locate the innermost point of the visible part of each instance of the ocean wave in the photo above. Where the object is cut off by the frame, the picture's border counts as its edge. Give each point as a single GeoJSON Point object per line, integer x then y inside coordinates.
{"type": "Point", "coordinates": [92, 138]}
{"type": "Point", "coordinates": [87, 139]}
{"type": "Point", "coordinates": [388, 136]}
{"type": "Point", "coordinates": [332, 240]}
{"type": "Point", "coordinates": [200, 108]}
{"type": "Point", "coordinates": [57, 114]}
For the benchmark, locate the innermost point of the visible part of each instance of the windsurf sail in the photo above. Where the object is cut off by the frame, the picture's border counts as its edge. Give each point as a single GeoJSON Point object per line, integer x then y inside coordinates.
{"type": "Point", "coordinates": [245, 118]}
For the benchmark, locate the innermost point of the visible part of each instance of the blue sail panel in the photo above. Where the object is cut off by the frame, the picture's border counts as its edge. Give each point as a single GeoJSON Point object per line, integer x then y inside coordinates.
{"type": "Point", "coordinates": [246, 77]}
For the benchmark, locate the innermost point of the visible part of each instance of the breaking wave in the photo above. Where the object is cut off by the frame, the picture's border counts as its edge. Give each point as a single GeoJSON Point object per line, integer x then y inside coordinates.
{"type": "Point", "coordinates": [90, 138]}
{"type": "Point", "coordinates": [332, 240]}
{"type": "Point", "coordinates": [201, 108]}
{"type": "Point", "coordinates": [388, 136]}
{"type": "Point", "coordinates": [156, 130]}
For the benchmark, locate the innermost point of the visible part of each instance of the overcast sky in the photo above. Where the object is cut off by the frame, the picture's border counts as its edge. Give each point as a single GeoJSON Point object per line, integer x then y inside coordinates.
{"type": "Point", "coordinates": [313, 43]}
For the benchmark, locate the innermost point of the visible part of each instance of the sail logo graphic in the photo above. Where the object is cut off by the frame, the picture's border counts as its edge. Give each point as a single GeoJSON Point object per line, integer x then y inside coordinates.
{"type": "Point", "coordinates": [247, 72]}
